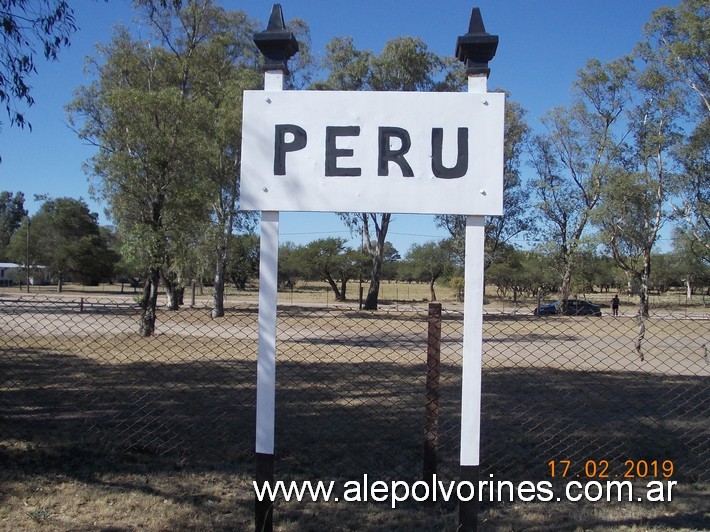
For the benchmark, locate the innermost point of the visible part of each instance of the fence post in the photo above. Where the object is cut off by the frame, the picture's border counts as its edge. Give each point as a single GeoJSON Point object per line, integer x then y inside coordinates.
{"type": "Point", "coordinates": [539, 299]}
{"type": "Point", "coordinates": [81, 305]}
{"type": "Point", "coordinates": [431, 431]}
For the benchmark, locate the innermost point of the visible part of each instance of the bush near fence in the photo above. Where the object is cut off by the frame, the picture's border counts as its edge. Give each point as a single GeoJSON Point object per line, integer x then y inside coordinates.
{"type": "Point", "coordinates": [77, 380]}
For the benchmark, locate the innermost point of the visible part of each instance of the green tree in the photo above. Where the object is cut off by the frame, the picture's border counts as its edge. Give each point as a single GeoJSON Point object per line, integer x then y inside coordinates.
{"type": "Point", "coordinates": [506, 273]}
{"type": "Point", "coordinates": [667, 273]}
{"type": "Point", "coordinates": [26, 26]}
{"type": "Point", "coordinates": [691, 260]}
{"type": "Point", "coordinates": [537, 272]}
{"type": "Point", "coordinates": [136, 113]}
{"type": "Point", "coordinates": [572, 159]}
{"type": "Point", "coordinates": [323, 259]}
{"type": "Point", "coordinates": [405, 64]}
{"type": "Point", "coordinates": [290, 268]}
{"type": "Point", "coordinates": [222, 66]}
{"type": "Point", "coordinates": [243, 263]}
{"type": "Point", "coordinates": [430, 261]}
{"type": "Point", "coordinates": [66, 239]}
{"type": "Point", "coordinates": [604, 273]}
{"type": "Point", "coordinates": [390, 262]}
{"type": "Point", "coordinates": [12, 212]}
{"type": "Point", "coordinates": [516, 218]}
{"type": "Point", "coordinates": [677, 46]}
{"type": "Point", "coordinates": [692, 187]}
{"type": "Point", "coordinates": [165, 115]}
{"type": "Point", "coordinates": [635, 196]}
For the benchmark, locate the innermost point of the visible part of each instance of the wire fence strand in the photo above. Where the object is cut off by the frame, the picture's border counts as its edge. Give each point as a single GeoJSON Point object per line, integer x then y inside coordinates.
{"type": "Point", "coordinates": [352, 387]}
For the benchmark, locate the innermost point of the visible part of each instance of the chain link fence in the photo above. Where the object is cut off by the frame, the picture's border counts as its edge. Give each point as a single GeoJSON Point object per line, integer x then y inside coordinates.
{"type": "Point", "coordinates": [352, 388]}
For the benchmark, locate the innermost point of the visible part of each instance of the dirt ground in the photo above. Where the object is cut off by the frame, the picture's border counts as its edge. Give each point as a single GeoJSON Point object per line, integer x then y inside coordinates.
{"type": "Point", "coordinates": [101, 429]}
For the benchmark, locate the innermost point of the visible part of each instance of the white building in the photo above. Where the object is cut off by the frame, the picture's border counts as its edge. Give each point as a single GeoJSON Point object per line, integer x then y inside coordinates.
{"type": "Point", "coordinates": [9, 272]}
{"type": "Point", "coordinates": [12, 273]}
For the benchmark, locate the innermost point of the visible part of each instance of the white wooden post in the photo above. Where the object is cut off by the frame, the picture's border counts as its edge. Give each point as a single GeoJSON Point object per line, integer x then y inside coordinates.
{"type": "Point", "coordinates": [266, 354]}
{"type": "Point", "coordinates": [268, 295]}
{"type": "Point", "coordinates": [472, 326]}
{"type": "Point", "coordinates": [307, 117]}
{"type": "Point", "coordinates": [475, 49]}
{"type": "Point", "coordinates": [266, 351]}
{"type": "Point", "coordinates": [277, 44]}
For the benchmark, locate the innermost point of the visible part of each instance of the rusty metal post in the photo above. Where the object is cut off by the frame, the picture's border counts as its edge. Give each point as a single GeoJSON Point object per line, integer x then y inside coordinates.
{"type": "Point", "coordinates": [431, 431]}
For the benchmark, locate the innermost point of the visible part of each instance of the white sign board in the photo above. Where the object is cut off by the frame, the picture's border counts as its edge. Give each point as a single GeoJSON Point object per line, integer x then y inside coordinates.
{"type": "Point", "coordinates": [402, 152]}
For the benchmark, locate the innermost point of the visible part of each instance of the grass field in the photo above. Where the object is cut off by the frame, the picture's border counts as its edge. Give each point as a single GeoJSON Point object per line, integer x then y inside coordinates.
{"type": "Point", "coordinates": [101, 429]}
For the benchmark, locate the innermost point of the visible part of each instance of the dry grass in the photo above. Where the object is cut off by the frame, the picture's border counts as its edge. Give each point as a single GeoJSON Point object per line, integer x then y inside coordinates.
{"type": "Point", "coordinates": [101, 429]}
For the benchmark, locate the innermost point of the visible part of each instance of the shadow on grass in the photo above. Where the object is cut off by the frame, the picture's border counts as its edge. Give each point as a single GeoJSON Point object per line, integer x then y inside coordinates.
{"type": "Point", "coordinates": [107, 424]}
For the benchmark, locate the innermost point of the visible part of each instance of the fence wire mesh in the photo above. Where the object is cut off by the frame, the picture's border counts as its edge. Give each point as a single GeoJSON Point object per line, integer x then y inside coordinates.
{"type": "Point", "coordinates": [351, 387]}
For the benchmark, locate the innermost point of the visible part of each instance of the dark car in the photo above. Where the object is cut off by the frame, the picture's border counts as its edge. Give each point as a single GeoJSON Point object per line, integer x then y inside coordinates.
{"type": "Point", "coordinates": [575, 307]}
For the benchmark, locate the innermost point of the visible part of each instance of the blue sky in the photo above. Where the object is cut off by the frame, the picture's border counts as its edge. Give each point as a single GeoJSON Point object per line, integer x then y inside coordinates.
{"type": "Point", "coordinates": [542, 45]}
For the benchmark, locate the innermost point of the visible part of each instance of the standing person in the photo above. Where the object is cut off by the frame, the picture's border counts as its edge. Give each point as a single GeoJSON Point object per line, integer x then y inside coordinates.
{"type": "Point", "coordinates": [615, 305]}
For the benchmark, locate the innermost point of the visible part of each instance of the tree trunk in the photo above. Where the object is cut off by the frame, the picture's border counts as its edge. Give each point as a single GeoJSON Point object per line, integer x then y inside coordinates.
{"type": "Point", "coordinates": [218, 296]}
{"type": "Point", "coordinates": [432, 293]}
{"type": "Point", "coordinates": [374, 290]}
{"type": "Point", "coordinates": [60, 282]}
{"type": "Point", "coordinates": [377, 252]}
{"type": "Point", "coordinates": [343, 286]}
{"type": "Point", "coordinates": [644, 292]}
{"type": "Point", "coordinates": [565, 288]}
{"type": "Point", "coordinates": [329, 279]}
{"type": "Point", "coordinates": [172, 291]}
{"type": "Point", "coordinates": [148, 302]}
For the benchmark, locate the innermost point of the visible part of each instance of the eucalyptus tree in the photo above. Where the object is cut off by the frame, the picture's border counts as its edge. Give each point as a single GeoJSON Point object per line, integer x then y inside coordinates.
{"type": "Point", "coordinates": [692, 187]}
{"type": "Point", "coordinates": [572, 159]}
{"type": "Point", "coordinates": [224, 65]}
{"type": "Point", "coordinates": [677, 46]}
{"type": "Point", "coordinates": [635, 196]}
{"type": "Point", "coordinates": [405, 64]}
{"type": "Point", "coordinates": [691, 262]}
{"type": "Point", "coordinates": [28, 25]}
{"type": "Point", "coordinates": [165, 115]}
{"type": "Point", "coordinates": [516, 218]}
{"type": "Point", "coordinates": [138, 115]}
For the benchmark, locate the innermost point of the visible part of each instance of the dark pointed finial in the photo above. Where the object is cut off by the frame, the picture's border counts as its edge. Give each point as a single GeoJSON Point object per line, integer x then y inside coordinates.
{"type": "Point", "coordinates": [276, 42]}
{"type": "Point", "coordinates": [475, 25]}
{"type": "Point", "coordinates": [477, 47]}
{"type": "Point", "coordinates": [276, 20]}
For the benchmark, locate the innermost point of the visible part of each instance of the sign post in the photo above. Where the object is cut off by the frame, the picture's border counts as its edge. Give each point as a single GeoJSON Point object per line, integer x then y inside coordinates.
{"type": "Point", "coordinates": [390, 152]}
{"type": "Point", "coordinates": [278, 45]}
{"type": "Point", "coordinates": [474, 49]}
